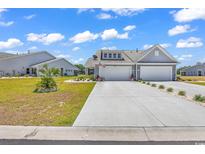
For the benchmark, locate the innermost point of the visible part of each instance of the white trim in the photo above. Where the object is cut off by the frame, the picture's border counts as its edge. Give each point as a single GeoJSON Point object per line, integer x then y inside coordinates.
{"type": "Point", "coordinates": [161, 49]}
{"type": "Point", "coordinates": [119, 64]}
{"type": "Point", "coordinates": [155, 64]}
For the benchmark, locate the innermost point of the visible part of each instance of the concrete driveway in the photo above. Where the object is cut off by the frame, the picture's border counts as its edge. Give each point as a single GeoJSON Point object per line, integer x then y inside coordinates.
{"type": "Point", "coordinates": [136, 105]}
{"type": "Point", "coordinates": [191, 89]}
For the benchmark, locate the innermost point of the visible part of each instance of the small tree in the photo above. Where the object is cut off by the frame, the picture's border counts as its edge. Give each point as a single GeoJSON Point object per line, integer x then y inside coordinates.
{"type": "Point", "coordinates": [47, 83]}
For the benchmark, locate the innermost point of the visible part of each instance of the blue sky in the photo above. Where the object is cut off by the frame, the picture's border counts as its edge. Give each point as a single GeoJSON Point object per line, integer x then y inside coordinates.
{"type": "Point", "coordinates": [76, 34]}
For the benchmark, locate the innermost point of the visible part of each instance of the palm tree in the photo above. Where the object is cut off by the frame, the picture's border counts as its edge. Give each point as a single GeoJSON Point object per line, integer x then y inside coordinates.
{"type": "Point", "coordinates": [47, 83]}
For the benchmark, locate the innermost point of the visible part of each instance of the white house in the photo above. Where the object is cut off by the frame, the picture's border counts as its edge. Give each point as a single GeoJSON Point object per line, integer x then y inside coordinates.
{"type": "Point", "coordinates": [153, 64]}
{"type": "Point", "coordinates": [30, 63]}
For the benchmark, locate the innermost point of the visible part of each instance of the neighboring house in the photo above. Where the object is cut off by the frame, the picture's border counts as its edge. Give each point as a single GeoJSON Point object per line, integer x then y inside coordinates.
{"type": "Point", "coordinates": [196, 70]}
{"type": "Point", "coordinates": [30, 63]}
{"type": "Point", "coordinates": [154, 64]}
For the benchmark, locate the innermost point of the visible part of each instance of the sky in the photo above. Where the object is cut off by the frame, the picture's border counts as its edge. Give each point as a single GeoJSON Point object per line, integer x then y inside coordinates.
{"type": "Point", "coordinates": [76, 34]}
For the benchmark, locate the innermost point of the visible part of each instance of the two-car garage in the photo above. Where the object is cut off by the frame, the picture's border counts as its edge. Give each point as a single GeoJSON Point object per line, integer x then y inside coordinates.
{"type": "Point", "coordinates": [147, 73]}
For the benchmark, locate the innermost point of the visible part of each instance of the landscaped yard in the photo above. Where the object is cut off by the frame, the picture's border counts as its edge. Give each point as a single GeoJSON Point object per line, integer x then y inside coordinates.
{"type": "Point", "coordinates": [193, 78]}
{"type": "Point", "coordinates": [20, 106]}
{"type": "Point", "coordinates": [198, 83]}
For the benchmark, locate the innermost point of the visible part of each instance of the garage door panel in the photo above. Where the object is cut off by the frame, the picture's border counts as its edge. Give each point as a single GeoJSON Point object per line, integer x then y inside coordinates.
{"type": "Point", "coordinates": [113, 73]}
{"type": "Point", "coordinates": [156, 73]}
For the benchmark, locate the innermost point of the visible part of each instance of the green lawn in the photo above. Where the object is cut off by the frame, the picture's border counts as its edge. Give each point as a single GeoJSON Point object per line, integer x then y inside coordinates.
{"type": "Point", "coordinates": [198, 83]}
{"type": "Point", "coordinates": [20, 106]}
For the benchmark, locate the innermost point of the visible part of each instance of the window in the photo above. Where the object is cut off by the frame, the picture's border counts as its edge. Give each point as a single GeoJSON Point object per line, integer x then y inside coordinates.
{"type": "Point", "coordinates": [119, 55]}
{"type": "Point", "coordinates": [27, 71]}
{"type": "Point", "coordinates": [156, 53]}
{"type": "Point", "coordinates": [114, 55]}
{"type": "Point", "coordinates": [105, 55]}
{"type": "Point", "coordinates": [110, 55]}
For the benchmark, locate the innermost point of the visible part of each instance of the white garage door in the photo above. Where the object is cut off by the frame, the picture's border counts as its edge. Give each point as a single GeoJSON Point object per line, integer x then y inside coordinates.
{"type": "Point", "coordinates": [115, 72]}
{"type": "Point", "coordinates": [156, 73]}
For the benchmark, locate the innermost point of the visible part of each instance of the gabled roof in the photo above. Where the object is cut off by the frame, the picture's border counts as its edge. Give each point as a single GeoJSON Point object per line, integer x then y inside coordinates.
{"type": "Point", "coordinates": [27, 54]}
{"type": "Point", "coordinates": [161, 49]}
{"type": "Point", "coordinates": [129, 56]}
{"type": "Point", "coordinates": [52, 61]}
{"type": "Point", "coordinates": [5, 55]}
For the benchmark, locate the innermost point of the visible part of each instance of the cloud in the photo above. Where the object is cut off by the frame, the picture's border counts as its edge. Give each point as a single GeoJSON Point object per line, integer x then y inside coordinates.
{"type": "Point", "coordinates": [129, 27]}
{"type": "Point", "coordinates": [180, 29]}
{"type": "Point", "coordinates": [184, 57]}
{"type": "Point", "coordinates": [29, 17]}
{"type": "Point", "coordinates": [104, 16]}
{"type": "Point", "coordinates": [84, 37]}
{"type": "Point", "coordinates": [77, 61]}
{"type": "Point", "coordinates": [113, 34]}
{"type": "Point", "coordinates": [10, 43]}
{"type": "Point", "coordinates": [81, 10]}
{"type": "Point", "coordinates": [164, 45]}
{"type": "Point", "coordinates": [63, 56]}
{"type": "Point", "coordinates": [124, 11]}
{"type": "Point", "coordinates": [191, 42]}
{"type": "Point", "coordinates": [109, 48]}
{"type": "Point", "coordinates": [46, 39]}
{"type": "Point", "coordinates": [32, 48]}
{"type": "Point", "coordinates": [187, 15]}
{"type": "Point", "coordinates": [2, 11]}
{"type": "Point", "coordinates": [76, 49]}
{"type": "Point", "coordinates": [6, 24]}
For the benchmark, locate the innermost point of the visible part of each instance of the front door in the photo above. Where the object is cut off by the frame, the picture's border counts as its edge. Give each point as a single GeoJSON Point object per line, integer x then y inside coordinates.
{"type": "Point", "coordinates": [61, 71]}
{"type": "Point", "coordinates": [199, 73]}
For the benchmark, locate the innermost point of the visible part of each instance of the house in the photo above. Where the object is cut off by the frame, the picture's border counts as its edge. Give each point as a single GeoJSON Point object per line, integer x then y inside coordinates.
{"type": "Point", "coordinates": [30, 63]}
{"type": "Point", "coordinates": [153, 64]}
{"type": "Point", "coordinates": [195, 70]}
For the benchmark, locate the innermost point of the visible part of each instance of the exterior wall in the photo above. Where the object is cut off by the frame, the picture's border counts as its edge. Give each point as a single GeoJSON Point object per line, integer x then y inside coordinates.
{"type": "Point", "coordinates": [68, 69]}
{"type": "Point", "coordinates": [193, 71]}
{"type": "Point", "coordinates": [151, 58]}
{"type": "Point", "coordinates": [13, 66]}
{"type": "Point", "coordinates": [173, 71]}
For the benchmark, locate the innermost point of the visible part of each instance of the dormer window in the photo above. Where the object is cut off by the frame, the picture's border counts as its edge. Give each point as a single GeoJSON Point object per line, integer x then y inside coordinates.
{"type": "Point", "coordinates": [105, 55]}
{"type": "Point", "coordinates": [114, 55]}
{"type": "Point", "coordinates": [110, 55]}
{"type": "Point", "coordinates": [119, 56]}
{"type": "Point", "coordinates": [156, 53]}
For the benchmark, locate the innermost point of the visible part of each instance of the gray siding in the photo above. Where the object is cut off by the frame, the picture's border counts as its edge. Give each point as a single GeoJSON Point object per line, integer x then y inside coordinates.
{"type": "Point", "coordinates": [193, 71]}
{"type": "Point", "coordinates": [68, 69]}
{"type": "Point", "coordinates": [12, 66]}
{"type": "Point", "coordinates": [151, 58]}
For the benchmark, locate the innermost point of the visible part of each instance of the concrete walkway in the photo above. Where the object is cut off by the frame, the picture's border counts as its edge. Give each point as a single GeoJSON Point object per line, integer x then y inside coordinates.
{"type": "Point", "coordinates": [102, 134]}
{"type": "Point", "coordinates": [132, 104]}
{"type": "Point", "coordinates": [191, 89]}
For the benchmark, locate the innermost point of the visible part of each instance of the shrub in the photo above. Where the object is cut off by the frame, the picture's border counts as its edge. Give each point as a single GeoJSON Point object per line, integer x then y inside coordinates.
{"type": "Point", "coordinates": [182, 93]}
{"type": "Point", "coordinates": [47, 83]}
{"type": "Point", "coordinates": [139, 80]}
{"type": "Point", "coordinates": [161, 87]}
{"type": "Point", "coordinates": [148, 83]}
{"type": "Point", "coordinates": [143, 82]}
{"type": "Point", "coordinates": [199, 98]}
{"type": "Point", "coordinates": [170, 89]}
{"type": "Point", "coordinates": [153, 85]}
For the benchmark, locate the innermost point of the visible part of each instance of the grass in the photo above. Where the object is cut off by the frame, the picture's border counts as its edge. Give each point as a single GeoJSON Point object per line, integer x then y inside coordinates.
{"type": "Point", "coordinates": [161, 87]}
{"type": "Point", "coordinates": [198, 83]}
{"type": "Point", "coordinates": [153, 85]}
{"type": "Point", "coordinates": [191, 78]}
{"type": "Point", "coordinates": [199, 98]}
{"type": "Point", "coordinates": [170, 89]}
{"type": "Point", "coordinates": [20, 106]}
{"type": "Point", "coordinates": [182, 93]}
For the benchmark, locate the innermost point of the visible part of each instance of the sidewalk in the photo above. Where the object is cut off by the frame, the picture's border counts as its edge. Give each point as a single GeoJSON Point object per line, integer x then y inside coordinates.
{"type": "Point", "coordinates": [103, 133]}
